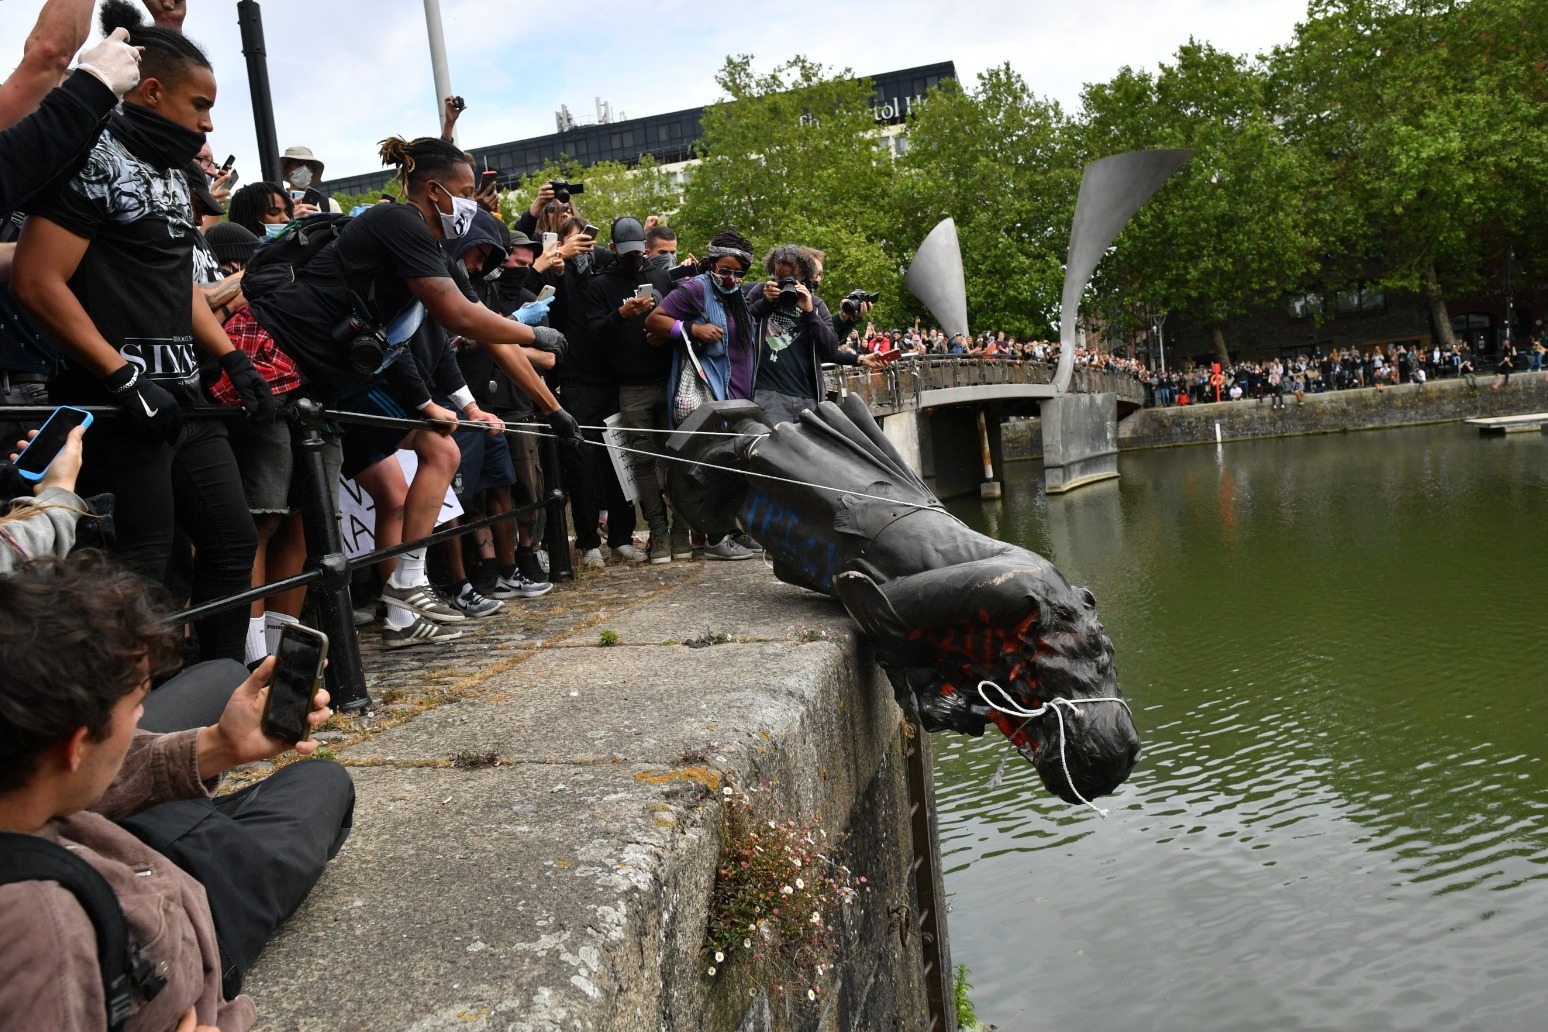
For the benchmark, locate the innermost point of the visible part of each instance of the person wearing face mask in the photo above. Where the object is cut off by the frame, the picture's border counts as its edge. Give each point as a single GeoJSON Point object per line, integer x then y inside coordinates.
{"type": "Point", "coordinates": [617, 303]}
{"type": "Point", "coordinates": [710, 309]}
{"type": "Point", "coordinates": [264, 209]}
{"type": "Point", "coordinates": [104, 266]}
{"type": "Point", "coordinates": [385, 261]}
{"type": "Point", "coordinates": [795, 336]}
{"type": "Point", "coordinates": [303, 175]}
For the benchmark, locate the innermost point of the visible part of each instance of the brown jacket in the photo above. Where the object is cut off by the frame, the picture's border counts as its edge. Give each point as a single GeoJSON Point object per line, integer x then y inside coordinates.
{"type": "Point", "coordinates": [48, 952]}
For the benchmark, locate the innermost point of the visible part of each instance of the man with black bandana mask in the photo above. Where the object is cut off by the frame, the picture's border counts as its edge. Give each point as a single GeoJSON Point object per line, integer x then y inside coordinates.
{"type": "Point", "coordinates": [104, 266]}
{"type": "Point", "coordinates": [617, 302]}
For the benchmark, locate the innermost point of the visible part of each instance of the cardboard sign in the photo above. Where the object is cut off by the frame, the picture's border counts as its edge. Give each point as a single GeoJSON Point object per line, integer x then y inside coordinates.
{"type": "Point", "coordinates": [357, 512]}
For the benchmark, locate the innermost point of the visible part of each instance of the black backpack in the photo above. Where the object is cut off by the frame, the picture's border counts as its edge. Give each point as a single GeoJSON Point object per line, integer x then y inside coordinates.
{"type": "Point", "coordinates": [123, 963]}
{"type": "Point", "coordinates": [274, 262]}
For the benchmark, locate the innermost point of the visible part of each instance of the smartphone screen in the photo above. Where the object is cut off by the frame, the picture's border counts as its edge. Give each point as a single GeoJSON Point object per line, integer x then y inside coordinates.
{"type": "Point", "coordinates": [297, 666]}
{"type": "Point", "coordinates": [34, 459]}
{"type": "Point", "coordinates": [230, 160]}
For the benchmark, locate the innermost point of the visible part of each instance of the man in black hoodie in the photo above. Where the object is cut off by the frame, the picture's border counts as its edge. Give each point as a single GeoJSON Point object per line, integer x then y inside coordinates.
{"type": "Point", "coordinates": [617, 302]}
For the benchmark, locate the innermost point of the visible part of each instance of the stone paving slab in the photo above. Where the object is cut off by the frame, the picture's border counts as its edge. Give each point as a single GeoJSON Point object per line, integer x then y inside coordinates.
{"type": "Point", "coordinates": [532, 849]}
{"type": "Point", "coordinates": [481, 900]}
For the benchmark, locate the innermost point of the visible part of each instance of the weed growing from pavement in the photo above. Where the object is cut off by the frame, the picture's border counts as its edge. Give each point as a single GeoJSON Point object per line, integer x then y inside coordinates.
{"type": "Point", "coordinates": [607, 638]}
{"type": "Point", "coordinates": [779, 894]}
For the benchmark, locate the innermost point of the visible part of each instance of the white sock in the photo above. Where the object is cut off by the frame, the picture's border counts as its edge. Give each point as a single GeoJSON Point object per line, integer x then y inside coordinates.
{"type": "Point", "coordinates": [257, 648]}
{"type": "Point", "coordinates": [398, 617]}
{"type": "Point", "coordinates": [273, 625]}
{"type": "Point", "coordinates": [410, 571]}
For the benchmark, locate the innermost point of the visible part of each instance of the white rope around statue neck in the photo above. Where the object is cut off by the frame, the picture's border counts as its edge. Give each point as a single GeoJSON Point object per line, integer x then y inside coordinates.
{"type": "Point", "coordinates": [1011, 708]}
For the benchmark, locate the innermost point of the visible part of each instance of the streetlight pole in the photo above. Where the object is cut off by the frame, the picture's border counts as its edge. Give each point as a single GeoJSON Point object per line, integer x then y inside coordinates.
{"type": "Point", "coordinates": [250, 22]}
{"type": "Point", "coordinates": [1159, 323]}
{"type": "Point", "coordinates": [1510, 295]}
{"type": "Point", "coordinates": [438, 59]}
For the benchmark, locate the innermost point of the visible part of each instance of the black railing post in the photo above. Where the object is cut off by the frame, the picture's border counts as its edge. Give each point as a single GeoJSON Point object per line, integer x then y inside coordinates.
{"type": "Point", "coordinates": [556, 535]}
{"type": "Point", "coordinates": [325, 551]}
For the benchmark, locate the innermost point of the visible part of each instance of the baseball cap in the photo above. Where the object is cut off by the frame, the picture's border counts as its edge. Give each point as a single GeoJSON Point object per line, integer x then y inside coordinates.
{"type": "Point", "coordinates": [628, 235]}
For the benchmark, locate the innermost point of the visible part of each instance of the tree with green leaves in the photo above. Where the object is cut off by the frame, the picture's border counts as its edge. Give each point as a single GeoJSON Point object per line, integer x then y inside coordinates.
{"type": "Point", "coordinates": [794, 156]}
{"type": "Point", "coordinates": [1229, 231]}
{"type": "Point", "coordinates": [999, 161]}
{"type": "Point", "coordinates": [1427, 124]}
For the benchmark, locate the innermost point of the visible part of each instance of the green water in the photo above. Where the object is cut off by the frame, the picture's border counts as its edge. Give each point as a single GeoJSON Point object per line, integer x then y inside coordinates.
{"type": "Point", "coordinates": [1336, 650]}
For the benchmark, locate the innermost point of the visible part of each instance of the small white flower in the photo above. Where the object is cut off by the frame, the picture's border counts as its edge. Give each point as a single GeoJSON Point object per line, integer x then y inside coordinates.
{"type": "Point", "coordinates": [726, 791]}
{"type": "Point", "coordinates": [811, 994]}
{"type": "Point", "coordinates": [712, 971]}
{"type": "Point", "coordinates": [786, 890]}
{"type": "Point", "coordinates": [800, 884]}
{"type": "Point", "coordinates": [746, 944]}
{"type": "Point", "coordinates": [719, 957]}
{"type": "Point", "coordinates": [816, 917]}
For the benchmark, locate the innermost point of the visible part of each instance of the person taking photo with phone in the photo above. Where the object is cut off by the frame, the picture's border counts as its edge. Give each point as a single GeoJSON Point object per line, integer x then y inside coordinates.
{"type": "Point", "coordinates": [103, 770]}
{"type": "Point", "coordinates": [104, 265]}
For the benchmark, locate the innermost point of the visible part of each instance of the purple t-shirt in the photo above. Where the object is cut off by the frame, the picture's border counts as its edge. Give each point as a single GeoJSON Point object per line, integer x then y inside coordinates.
{"type": "Point", "coordinates": [686, 304]}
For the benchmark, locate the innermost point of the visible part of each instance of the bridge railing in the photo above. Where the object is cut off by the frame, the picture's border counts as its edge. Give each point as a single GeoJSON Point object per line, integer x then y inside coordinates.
{"type": "Point", "coordinates": [901, 385]}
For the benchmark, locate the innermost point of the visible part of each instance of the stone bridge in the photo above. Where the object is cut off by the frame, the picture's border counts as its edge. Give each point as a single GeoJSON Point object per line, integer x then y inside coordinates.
{"type": "Point", "coordinates": [944, 415]}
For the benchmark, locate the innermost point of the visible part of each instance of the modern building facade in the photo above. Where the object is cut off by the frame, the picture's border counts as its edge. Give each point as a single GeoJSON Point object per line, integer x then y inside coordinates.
{"type": "Point", "coordinates": [668, 138]}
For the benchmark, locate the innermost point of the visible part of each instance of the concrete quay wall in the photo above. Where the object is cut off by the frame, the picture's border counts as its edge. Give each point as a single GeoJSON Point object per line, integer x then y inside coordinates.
{"type": "Point", "coordinates": [537, 849]}
{"type": "Point", "coordinates": [1443, 401]}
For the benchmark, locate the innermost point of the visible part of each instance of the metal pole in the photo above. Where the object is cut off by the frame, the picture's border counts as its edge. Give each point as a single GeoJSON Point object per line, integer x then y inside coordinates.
{"type": "Point", "coordinates": [250, 21]}
{"type": "Point", "coordinates": [325, 551]}
{"type": "Point", "coordinates": [443, 88]}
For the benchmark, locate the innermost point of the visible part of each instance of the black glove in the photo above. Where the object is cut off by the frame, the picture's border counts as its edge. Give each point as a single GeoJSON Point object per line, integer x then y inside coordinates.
{"type": "Point", "coordinates": [565, 427]}
{"type": "Point", "coordinates": [257, 400]}
{"type": "Point", "coordinates": [546, 338]}
{"type": "Point", "coordinates": [151, 410]}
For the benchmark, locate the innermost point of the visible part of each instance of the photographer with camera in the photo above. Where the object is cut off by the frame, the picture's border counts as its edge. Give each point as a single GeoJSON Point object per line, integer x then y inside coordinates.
{"type": "Point", "coordinates": [104, 265]}
{"type": "Point", "coordinates": [795, 336]}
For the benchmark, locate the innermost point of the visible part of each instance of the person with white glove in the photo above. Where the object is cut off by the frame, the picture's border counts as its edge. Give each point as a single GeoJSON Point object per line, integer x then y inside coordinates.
{"type": "Point", "coordinates": [113, 61]}
{"type": "Point", "coordinates": [51, 143]}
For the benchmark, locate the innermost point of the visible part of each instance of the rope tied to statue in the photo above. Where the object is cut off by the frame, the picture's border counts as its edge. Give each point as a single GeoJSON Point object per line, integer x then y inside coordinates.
{"type": "Point", "coordinates": [1010, 707]}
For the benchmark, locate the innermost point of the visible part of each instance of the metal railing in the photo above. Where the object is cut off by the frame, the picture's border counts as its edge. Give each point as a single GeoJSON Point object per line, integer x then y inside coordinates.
{"type": "Point", "coordinates": [902, 384]}
{"type": "Point", "coordinates": [328, 568]}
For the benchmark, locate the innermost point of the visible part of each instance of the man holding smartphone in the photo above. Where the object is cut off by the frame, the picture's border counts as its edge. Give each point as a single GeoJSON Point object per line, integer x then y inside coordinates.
{"type": "Point", "coordinates": [617, 302]}
{"type": "Point", "coordinates": [80, 643]}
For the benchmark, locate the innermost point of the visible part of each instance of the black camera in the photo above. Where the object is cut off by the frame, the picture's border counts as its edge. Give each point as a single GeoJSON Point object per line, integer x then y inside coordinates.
{"type": "Point", "coordinates": [364, 342]}
{"type": "Point", "coordinates": [563, 189]}
{"type": "Point", "coordinates": [854, 299]}
{"type": "Point", "coordinates": [458, 103]}
{"type": "Point", "coordinates": [788, 295]}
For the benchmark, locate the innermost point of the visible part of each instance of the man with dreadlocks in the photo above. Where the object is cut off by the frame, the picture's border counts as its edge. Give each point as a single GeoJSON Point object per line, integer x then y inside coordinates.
{"type": "Point", "coordinates": [707, 319]}
{"type": "Point", "coordinates": [383, 262]}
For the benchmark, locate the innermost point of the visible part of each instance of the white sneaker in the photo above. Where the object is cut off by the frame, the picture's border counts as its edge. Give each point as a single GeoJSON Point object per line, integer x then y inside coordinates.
{"type": "Point", "coordinates": [592, 559]}
{"type": "Point", "coordinates": [631, 553]}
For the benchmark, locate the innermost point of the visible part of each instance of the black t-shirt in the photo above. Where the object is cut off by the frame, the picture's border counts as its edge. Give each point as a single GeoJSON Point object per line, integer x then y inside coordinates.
{"type": "Point", "coordinates": [785, 352]}
{"type": "Point", "coordinates": [375, 255]}
{"type": "Point", "coordinates": [135, 278]}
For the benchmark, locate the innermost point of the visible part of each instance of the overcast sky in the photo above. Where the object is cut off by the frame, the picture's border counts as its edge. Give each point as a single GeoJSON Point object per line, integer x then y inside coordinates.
{"type": "Point", "coordinates": [346, 74]}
